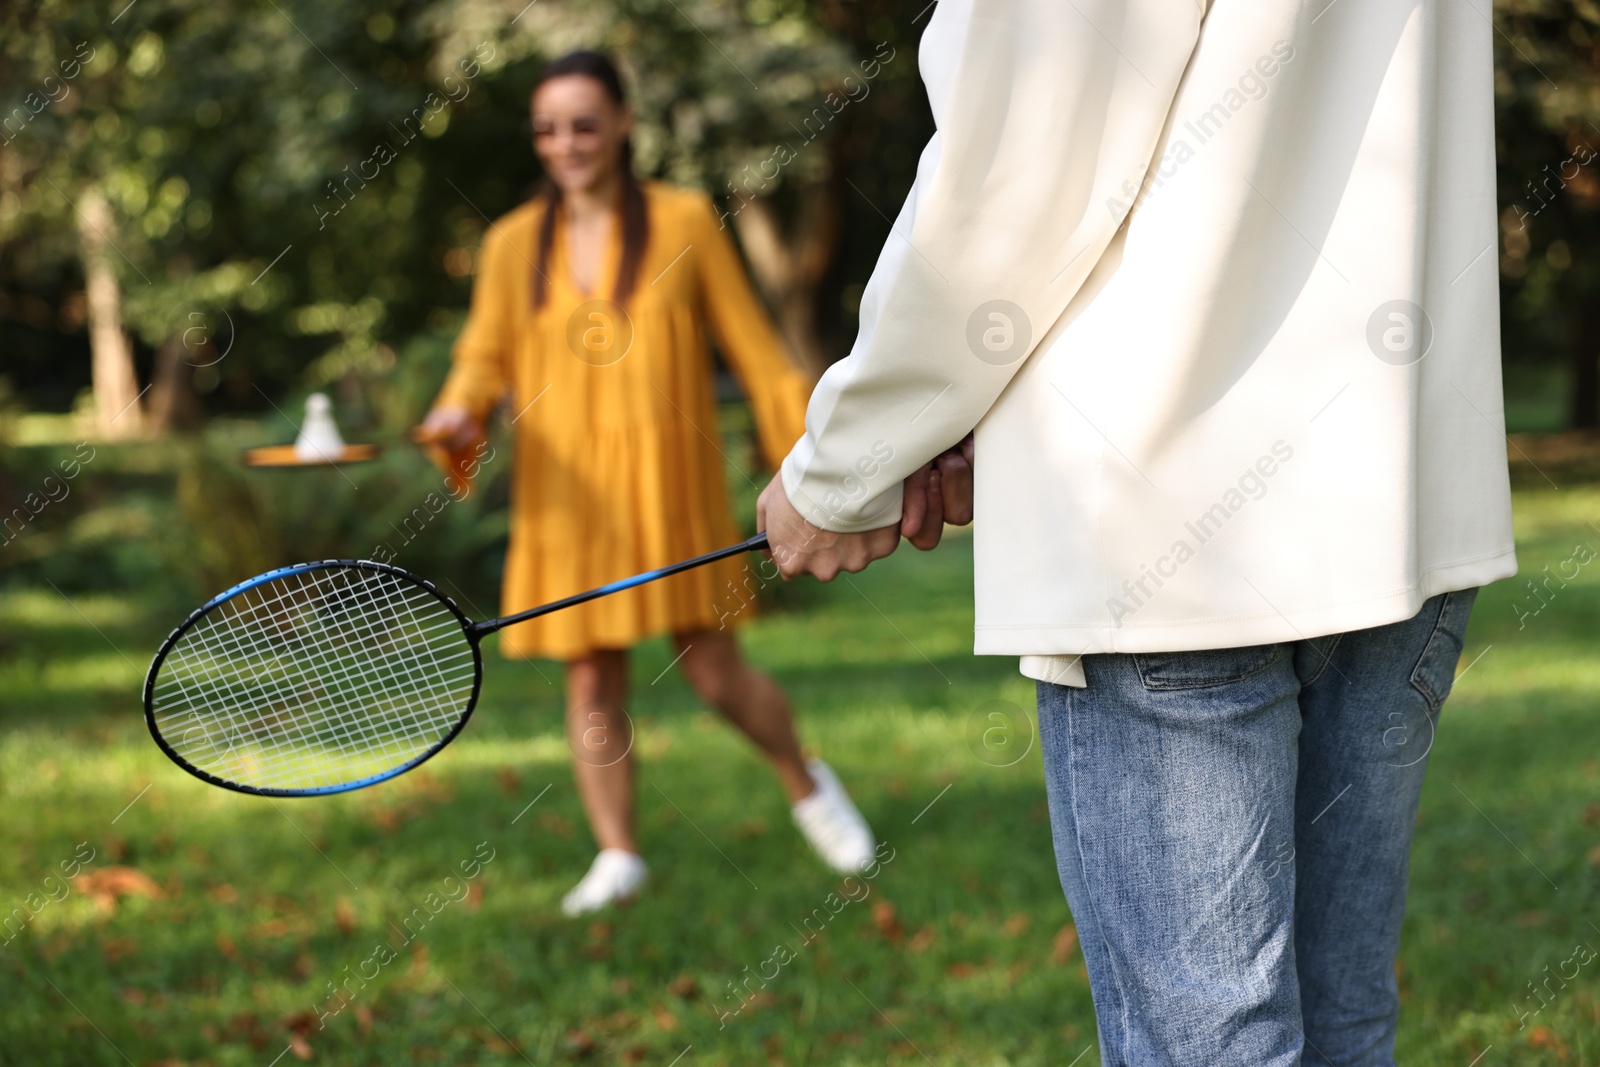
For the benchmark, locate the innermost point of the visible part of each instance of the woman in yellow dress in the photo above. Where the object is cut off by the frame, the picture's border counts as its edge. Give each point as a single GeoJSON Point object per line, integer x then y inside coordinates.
{"type": "Point", "coordinates": [590, 310]}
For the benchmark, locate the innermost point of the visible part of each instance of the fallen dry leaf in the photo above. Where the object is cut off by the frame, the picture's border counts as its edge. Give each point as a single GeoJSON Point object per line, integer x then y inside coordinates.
{"type": "Point", "coordinates": [553, 822]}
{"type": "Point", "coordinates": [1544, 1037]}
{"type": "Point", "coordinates": [300, 1022]}
{"type": "Point", "coordinates": [423, 784]}
{"type": "Point", "coordinates": [1065, 944]}
{"type": "Point", "coordinates": [887, 920]}
{"type": "Point", "coordinates": [759, 998]}
{"type": "Point", "coordinates": [118, 947]}
{"type": "Point", "coordinates": [617, 1022]}
{"type": "Point", "coordinates": [106, 885]}
{"type": "Point", "coordinates": [493, 1041]}
{"type": "Point", "coordinates": [270, 928]}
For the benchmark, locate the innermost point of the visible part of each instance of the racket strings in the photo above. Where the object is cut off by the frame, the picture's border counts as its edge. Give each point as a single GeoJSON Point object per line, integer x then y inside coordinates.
{"type": "Point", "coordinates": [301, 720]}
{"type": "Point", "coordinates": [315, 680]}
{"type": "Point", "coordinates": [247, 644]}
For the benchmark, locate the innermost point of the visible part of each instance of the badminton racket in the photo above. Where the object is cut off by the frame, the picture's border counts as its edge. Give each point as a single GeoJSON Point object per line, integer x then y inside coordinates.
{"type": "Point", "coordinates": [330, 676]}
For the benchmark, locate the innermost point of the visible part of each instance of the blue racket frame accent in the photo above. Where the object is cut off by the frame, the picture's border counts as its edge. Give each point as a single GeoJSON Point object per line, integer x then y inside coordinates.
{"type": "Point", "coordinates": [467, 626]}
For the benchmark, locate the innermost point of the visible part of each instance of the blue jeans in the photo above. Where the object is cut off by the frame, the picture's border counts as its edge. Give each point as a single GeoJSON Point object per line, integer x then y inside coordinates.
{"type": "Point", "coordinates": [1232, 829]}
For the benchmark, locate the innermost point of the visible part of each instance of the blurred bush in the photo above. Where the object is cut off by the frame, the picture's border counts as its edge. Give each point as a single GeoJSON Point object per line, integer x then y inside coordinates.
{"type": "Point", "coordinates": [185, 518]}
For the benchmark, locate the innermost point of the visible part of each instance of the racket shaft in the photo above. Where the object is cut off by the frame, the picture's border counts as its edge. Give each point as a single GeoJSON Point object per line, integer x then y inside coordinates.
{"type": "Point", "coordinates": [754, 544]}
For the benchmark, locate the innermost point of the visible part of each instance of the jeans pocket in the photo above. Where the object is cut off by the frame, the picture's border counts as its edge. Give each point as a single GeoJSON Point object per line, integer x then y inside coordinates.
{"type": "Point", "coordinates": [1435, 671]}
{"type": "Point", "coordinates": [1206, 667]}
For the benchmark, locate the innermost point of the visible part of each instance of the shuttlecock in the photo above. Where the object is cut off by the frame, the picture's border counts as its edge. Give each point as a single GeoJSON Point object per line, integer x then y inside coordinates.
{"type": "Point", "coordinates": [319, 440]}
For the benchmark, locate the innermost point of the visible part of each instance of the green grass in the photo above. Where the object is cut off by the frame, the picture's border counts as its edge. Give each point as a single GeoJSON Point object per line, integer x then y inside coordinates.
{"type": "Point", "coordinates": [957, 953]}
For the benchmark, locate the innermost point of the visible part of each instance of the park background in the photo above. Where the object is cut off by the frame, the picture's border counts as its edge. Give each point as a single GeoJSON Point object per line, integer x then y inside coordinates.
{"type": "Point", "coordinates": [184, 256]}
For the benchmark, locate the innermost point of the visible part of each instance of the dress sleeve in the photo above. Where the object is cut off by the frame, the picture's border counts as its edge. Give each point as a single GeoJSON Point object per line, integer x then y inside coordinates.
{"type": "Point", "coordinates": [481, 356]}
{"type": "Point", "coordinates": [1046, 114]}
{"type": "Point", "coordinates": [776, 388]}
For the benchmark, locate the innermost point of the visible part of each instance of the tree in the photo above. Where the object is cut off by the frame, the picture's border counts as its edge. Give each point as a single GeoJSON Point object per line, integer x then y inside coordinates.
{"type": "Point", "coordinates": [116, 388]}
{"type": "Point", "coordinates": [293, 189]}
{"type": "Point", "coordinates": [1547, 94]}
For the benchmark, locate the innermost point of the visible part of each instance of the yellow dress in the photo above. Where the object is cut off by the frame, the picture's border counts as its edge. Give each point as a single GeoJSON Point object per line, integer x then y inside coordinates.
{"type": "Point", "coordinates": [617, 461]}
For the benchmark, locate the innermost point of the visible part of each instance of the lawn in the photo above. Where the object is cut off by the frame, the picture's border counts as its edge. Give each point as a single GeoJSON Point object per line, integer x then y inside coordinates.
{"type": "Point", "coordinates": [206, 927]}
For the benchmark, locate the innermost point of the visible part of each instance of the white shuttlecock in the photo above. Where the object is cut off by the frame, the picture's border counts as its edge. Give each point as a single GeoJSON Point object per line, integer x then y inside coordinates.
{"type": "Point", "coordinates": [319, 440]}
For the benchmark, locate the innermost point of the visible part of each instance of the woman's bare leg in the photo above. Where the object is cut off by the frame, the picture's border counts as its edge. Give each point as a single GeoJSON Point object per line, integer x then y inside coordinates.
{"type": "Point", "coordinates": [749, 699]}
{"type": "Point", "coordinates": [601, 738]}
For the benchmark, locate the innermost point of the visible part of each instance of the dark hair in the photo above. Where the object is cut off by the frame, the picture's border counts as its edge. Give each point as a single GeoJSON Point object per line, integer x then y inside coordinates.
{"type": "Point", "coordinates": [635, 216]}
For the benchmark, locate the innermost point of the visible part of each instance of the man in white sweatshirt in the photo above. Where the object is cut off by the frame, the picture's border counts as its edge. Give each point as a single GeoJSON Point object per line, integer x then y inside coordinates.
{"type": "Point", "coordinates": [1215, 284]}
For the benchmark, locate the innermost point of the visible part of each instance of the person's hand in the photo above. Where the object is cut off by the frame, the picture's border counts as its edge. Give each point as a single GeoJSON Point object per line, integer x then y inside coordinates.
{"type": "Point", "coordinates": [938, 492]}
{"type": "Point", "coordinates": [801, 548]}
{"type": "Point", "coordinates": [453, 427]}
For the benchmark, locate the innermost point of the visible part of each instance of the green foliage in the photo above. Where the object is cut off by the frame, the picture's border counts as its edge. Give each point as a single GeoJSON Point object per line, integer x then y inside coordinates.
{"type": "Point", "coordinates": [1547, 100]}
{"type": "Point", "coordinates": [308, 181]}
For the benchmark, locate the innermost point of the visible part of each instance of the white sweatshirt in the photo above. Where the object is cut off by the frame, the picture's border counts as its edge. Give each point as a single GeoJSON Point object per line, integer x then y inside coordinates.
{"type": "Point", "coordinates": [1218, 290]}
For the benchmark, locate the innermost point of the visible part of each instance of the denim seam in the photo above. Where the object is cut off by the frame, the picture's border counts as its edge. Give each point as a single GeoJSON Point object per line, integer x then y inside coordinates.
{"type": "Point", "coordinates": [1207, 683]}
{"type": "Point", "coordinates": [1419, 682]}
{"type": "Point", "coordinates": [1083, 864]}
{"type": "Point", "coordinates": [1327, 661]}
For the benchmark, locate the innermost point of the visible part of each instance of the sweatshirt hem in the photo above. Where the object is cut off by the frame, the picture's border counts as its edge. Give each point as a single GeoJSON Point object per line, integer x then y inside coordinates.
{"type": "Point", "coordinates": [1228, 631]}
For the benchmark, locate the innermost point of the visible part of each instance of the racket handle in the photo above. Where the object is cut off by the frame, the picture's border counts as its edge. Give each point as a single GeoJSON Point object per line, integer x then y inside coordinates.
{"type": "Point", "coordinates": [757, 543]}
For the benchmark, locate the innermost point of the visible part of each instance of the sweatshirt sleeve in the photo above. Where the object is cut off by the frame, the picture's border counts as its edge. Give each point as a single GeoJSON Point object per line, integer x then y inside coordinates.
{"type": "Point", "coordinates": [1047, 112]}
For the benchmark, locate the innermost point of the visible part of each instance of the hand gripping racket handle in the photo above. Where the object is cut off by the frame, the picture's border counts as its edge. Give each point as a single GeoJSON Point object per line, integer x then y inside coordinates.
{"type": "Point", "coordinates": [754, 544]}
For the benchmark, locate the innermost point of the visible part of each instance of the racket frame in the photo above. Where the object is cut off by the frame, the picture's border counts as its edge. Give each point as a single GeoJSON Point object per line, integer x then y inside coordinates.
{"type": "Point", "coordinates": [467, 626]}
{"type": "Point", "coordinates": [473, 631]}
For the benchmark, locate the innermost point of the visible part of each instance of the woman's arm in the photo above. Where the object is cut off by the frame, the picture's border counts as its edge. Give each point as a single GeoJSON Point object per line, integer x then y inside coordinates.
{"type": "Point", "coordinates": [481, 357]}
{"type": "Point", "coordinates": [776, 388]}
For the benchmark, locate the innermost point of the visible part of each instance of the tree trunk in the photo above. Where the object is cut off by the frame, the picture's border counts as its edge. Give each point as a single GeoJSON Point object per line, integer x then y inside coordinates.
{"type": "Point", "coordinates": [173, 402]}
{"type": "Point", "coordinates": [115, 383]}
{"type": "Point", "coordinates": [789, 270]}
{"type": "Point", "coordinates": [1585, 362]}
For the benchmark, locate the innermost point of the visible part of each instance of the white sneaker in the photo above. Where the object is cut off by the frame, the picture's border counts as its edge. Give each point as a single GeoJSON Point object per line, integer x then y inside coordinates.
{"type": "Point", "coordinates": [615, 874]}
{"type": "Point", "coordinates": [830, 821]}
